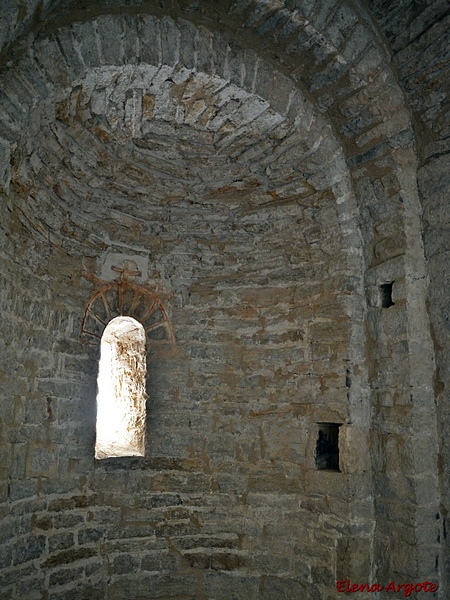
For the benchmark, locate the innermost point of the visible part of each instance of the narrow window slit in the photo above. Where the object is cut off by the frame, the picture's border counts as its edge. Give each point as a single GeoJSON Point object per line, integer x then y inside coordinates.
{"type": "Point", "coordinates": [121, 390]}
{"type": "Point", "coordinates": [327, 446]}
{"type": "Point", "coordinates": [386, 294]}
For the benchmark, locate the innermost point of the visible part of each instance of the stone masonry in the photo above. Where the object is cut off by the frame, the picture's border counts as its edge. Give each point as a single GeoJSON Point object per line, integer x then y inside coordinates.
{"type": "Point", "coordinates": [277, 173]}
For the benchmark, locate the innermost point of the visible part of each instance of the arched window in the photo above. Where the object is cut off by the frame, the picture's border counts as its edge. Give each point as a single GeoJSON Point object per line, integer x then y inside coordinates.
{"type": "Point", "coordinates": [121, 390]}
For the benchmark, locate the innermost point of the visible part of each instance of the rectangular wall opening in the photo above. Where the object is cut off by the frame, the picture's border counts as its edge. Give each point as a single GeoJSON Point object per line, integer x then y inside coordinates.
{"type": "Point", "coordinates": [386, 294]}
{"type": "Point", "coordinates": [327, 446]}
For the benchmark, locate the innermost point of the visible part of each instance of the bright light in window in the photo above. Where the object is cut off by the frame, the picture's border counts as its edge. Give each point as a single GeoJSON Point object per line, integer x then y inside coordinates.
{"type": "Point", "coordinates": [121, 390]}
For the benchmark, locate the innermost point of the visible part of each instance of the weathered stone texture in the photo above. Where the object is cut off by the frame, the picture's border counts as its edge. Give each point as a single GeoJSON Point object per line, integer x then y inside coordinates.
{"type": "Point", "coordinates": [260, 160]}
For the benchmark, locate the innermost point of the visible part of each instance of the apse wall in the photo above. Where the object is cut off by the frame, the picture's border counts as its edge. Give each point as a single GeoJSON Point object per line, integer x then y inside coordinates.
{"type": "Point", "coordinates": [235, 224]}
{"type": "Point", "coordinates": [422, 62]}
{"type": "Point", "coordinates": [218, 505]}
{"type": "Point", "coordinates": [227, 186]}
{"type": "Point", "coordinates": [38, 418]}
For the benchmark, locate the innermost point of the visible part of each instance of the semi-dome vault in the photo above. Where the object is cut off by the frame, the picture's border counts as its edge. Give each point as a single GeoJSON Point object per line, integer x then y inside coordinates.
{"type": "Point", "coordinates": [267, 165]}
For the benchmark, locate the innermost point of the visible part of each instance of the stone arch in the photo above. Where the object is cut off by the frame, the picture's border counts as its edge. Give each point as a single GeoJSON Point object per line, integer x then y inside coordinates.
{"type": "Point", "coordinates": [124, 298]}
{"type": "Point", "coordinates": [307, 168]}
{"type": "Point", "coordinates": [377, 150]}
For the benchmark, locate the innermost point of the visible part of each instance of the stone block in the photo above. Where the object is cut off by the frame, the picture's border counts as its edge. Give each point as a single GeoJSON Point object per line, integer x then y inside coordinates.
{"type": "Point", "coordinates": [60, 541]}
{"type": "Point", "coordinates": [230, 483]}
{"type": "Point", "coordinates": [89, 534]}
{"type": "Point", "coordinates": [75, 65]}
{"type": "Point", "coordinates": [340, 25]}
{"type": "Point", "coordinates": [83, 591]}
{"type": "Point", "coordinates": [130, 531]}
{"type": "Point", "coordinates": [22, 489]}
{"type": "Point", "coordinates": [327, 79]}
{"type": "Point", "coordinates": [73, 502]}
{"type": "Point", "coordinates": [277, 482]}
{"type": "Point", "coordinates": [17, 462]}
{"type": "Point", "coordinates": [110, 35]}
{"type": "Point", "coordinates": [371, 58]}
{"type": "Point", "coordinates": [5, 165]}
{"type": "Point", "coordinates": [150, 40]}
{"type": "Point", "coordinates": [146, 545]}
{"type": "Point", "coordinates": [235, 56]}
{"type": "Point", "coordinates": [179, 527]}
{"type": "Point", "coordinates": [9, 529]}
{"type": "Point", "coordinates": [189, 41]}
{"type": "Point", "coordinates": [281, 94]}
{"type": "Point", "coordinates": [6, 593]}
{"type": "Point", "coordinates": [301, 569]}
{"type": "Point", "coordinates": [131, 39]}
{"type": "Point", "coordinates": [197, 559]}
{"type": "Point", "coordinates": [170, 43]}
{"type": "Point", "coordinates": [275, 21]}
{"type": "Point", "coordinates": [27, 549]}
{"type": "Point", "coordinates": [162, 586]}
{"type": "Point", "coordinates": [159, 561]}
{"type": "Point", "coordinates": [66, 557]}
{"type": "Point", "coordinates": [5, 556]}
{"type": "Point", "coordinates": [228, 561]}
{"type": "Point", "coordinates": [264, 83]}
{"type": "Point", "coordinates": [192, 482]}
{"type": "Point", "coordinates": [9, 127]}
{"type": "Point", "coordinates": [224, 540]}
{"type": "Point", "coordinates": [86, 42]}
{"type": "Point", "coordinates": [270, 564]}
{"type": "Point", "coordinates": [52, 62]}
{"type": "Point", "coordinates": [235, 586]}
{"type": "Point", "coordinates": [43, 522]}
{"type": "Point", "coordinates": [323, 576]}
{"type": "Point", "coordinates": [220, 52]}
{"type": "Point", "coordinates": [63, 576]}
{"type": "Point", "coordinates": [105, 516]}
{"type": "Point", "coordinates": [125, 563]}
{"type": "Point", "coordinates": [96, 568]}
{"type": "Point", "coordinates": [64, 486]}
{"type": "Point", "coordinates": [159, 500]}
{"type": "Point", "coordinates": [287, 589]}
{"type": "Point", "coordinates": [13, 576]}
{"type": "Point", "coordinates": [42, 461]}
{"type": "Point", "coordinates": [206, 57]}
{"type": "Point", "coordinates": [31, 587]}
{"type": "Point", "coordinates": [402, 557]}
{"type": "Point", "coordinates": [34, 78]}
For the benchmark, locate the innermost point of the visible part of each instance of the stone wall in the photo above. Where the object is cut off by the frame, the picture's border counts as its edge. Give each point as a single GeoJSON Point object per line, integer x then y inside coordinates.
{"type": "Point", "coordinates": [259, 161]}
{"type": "Point", "coordinates": [419, 36]}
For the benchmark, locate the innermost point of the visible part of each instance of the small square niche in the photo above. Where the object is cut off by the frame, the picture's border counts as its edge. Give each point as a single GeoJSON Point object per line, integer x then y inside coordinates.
{"type": "Point", "coordinates": [386, 294]}
{"type": "Point", "coordinates": [327, 447]}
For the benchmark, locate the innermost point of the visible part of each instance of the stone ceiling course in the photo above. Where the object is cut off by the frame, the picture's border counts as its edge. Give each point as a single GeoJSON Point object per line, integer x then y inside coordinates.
{"type": "Point", "coordinates": [263, 156]}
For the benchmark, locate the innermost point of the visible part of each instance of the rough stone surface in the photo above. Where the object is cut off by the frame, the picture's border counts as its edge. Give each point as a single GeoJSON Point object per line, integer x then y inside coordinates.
{"type": "Point", "coordinates": [273, 168]}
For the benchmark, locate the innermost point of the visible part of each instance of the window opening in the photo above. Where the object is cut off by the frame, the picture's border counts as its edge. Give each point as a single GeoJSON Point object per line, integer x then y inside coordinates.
{"type": "Point", "coordinates": [327, 446]}
{"type": "Point", "coordinates": [386, 294]}
{"type": "Point", "coordinates": [121, 390]}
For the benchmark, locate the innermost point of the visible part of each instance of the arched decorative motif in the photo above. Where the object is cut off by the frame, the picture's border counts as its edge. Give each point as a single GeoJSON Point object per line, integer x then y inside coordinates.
{"type": "Point", "coordinates": [124, 298]}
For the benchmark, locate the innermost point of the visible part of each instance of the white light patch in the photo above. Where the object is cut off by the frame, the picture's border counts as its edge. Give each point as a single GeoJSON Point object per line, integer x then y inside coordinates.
{"type": "Point", "coordinates": [121, 390]}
